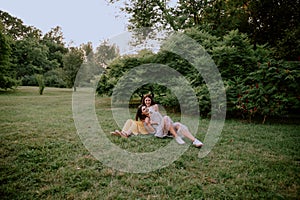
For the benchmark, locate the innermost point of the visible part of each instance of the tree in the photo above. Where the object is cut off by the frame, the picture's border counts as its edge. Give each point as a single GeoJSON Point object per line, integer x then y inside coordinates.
{"type": "Point", "coordinates": [105, 53]}
{"type": "Point", "coordinates": [158, 14]}
{"type": "Point", "coordinates": [55, 35]}
{"type": "Point", "coordinates": [114, 71]}
{"type": "Point", "coordinates": [30, 58]}
{"type": "Point", "coordinates": [273, 22]}
{"type": "Point", "coordinates": [88, 52]}
{"type": "Point", "coordinates": [31, 53]}
{"type": "Point", "coordinates": [90, 69]}
{"type": "Point", "coordinates": [41, 83]}
{"type": "Point", "coordinates": [276, 22]}
{"type": "Point", "coordinates": [153, 16]}
{"type": "Point", "coordinates": [15, 28]}
{"type": "Point", "coordinates": [72, 63]}
{"type": "Point", "coordinates": [54, 41]}
{"type": "Point", "coordinates": [7, 75]}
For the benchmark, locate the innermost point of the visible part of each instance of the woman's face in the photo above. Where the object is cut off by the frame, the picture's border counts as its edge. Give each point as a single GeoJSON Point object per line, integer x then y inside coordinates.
{"type": "Point", "coordinates": [148, 101]}
{"type": "Point", "coordinates": [145, 110]}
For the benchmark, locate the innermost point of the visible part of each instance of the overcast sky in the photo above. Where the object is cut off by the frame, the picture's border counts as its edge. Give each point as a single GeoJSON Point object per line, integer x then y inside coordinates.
{"type": "Point", "coordinates": [81, 21]}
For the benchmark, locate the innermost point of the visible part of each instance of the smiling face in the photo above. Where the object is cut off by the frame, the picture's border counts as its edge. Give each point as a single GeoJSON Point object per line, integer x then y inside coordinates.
{"type": "Point", "coordinates": [145, 110]}
{"type": "Point", "coordinates": [148, 101]}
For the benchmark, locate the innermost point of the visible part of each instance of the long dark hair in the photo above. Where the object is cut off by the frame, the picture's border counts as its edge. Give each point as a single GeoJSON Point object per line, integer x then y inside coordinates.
{"type": "Point", "coordinates": [139, 115]}
{"type": "Point", "coordinates": [148, 96]}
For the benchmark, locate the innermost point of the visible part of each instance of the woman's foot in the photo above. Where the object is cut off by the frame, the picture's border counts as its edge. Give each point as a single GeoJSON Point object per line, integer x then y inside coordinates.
{"type": "Point", "coordinates": [197, 143]}
{"type": "Point", "coordinates": [116, 133]}
{"type": "Point", "coordinates": [124, 134]}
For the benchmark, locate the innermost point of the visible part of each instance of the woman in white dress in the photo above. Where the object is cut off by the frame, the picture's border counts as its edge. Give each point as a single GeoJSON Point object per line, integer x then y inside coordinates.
{"type": "Point", "coordinates": [165, 125]}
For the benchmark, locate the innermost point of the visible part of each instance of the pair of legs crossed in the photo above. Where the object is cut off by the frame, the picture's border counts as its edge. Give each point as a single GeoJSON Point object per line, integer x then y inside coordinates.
{"type": "Point", "coordinates": [177, 128]}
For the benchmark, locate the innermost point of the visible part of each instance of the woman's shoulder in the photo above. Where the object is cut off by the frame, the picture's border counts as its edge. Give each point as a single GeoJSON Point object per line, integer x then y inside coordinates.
{"type": "Point", "coordinates": [155, 107]}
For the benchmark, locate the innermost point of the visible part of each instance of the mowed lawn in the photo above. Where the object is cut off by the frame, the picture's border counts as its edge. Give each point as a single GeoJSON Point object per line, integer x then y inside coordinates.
{"type": "Point", "coordinates": [42, 157]}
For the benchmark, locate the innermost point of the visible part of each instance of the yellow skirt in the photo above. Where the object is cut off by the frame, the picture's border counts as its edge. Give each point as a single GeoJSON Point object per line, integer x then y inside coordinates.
{"type": "Point", "coordinates": [136, 127]}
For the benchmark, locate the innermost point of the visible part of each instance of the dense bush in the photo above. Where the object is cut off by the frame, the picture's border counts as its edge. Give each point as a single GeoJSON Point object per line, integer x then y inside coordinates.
{"type": "Point", "coordinates": [54, 78]}
{"type": "Point", "coordinates": [256, 84]}
{"type": "Point", "coordinates": [271, 90]}
{"type": "Point", "coordinates": [29, 80]}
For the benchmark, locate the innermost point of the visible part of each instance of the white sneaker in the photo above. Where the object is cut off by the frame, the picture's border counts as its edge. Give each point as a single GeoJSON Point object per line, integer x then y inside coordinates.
{"type": "Point", "coordinates": [179, 140]}
{"type": "Point", "coordinates": [197, 143]}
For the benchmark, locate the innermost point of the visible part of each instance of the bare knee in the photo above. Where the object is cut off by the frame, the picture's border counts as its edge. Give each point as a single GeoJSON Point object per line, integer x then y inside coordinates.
{"type": "Point", "coordinates": [177, 126]}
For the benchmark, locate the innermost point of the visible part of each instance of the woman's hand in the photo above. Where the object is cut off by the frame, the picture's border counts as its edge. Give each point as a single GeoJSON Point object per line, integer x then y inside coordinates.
{"type": "Point", "coordinates": [155, 107]}
{"type": "Point", "coordinates": [148, 121]}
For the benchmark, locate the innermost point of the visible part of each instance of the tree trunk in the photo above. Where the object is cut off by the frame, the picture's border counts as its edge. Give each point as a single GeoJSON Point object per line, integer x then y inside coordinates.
{"type": "Point", "coordinates": [264, 120]}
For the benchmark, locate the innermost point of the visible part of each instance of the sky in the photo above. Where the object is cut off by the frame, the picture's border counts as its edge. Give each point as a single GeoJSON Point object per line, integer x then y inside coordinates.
{"type": "Point", "coordinates": [81, 21]}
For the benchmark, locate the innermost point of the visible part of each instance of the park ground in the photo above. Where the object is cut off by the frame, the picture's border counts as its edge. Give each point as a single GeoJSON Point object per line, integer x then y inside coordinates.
{"type": "Point", "coordinates": [42, 157]}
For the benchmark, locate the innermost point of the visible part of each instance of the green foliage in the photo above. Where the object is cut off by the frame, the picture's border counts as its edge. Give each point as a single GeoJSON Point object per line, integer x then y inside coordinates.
{"type": "Point", "coordinates": [272, 22]}
{"type": "Point", "coordinates": [236, 59]}
{"type": "Point", "coordinates": [204, 99]}
{"type": "Point", "coordinates": [114, 71]}
{"type": "Point", "coordinates": [41, 82]}
{"type": "Point", "coordinates": [7, 75]}
{"type": "Point", "coordinates": [105, 53]}
{"type": "Point", "coordinates": [54, 41]}
{"type": "Point", "coordinates": [104, 85]}
{"type": "Point", "coordinates": [30, 58]}
{"type": "Point", "coordinates": [55, 78]}
{"type": "Point", "coordinates": [55, 35]}
{"type": "Point", "coordinates": [237, 34]}
{"type": "Point", "coordinates": [272, 90]}
{"type": "Point", "coordinates": [72, 62]}
{"type": "Point", "coordinates": [174, 61]}
{"type": "Point", "coordinates": [276, 22]}
{"type": "Point", "coordinates": [15, 28]}
{"type": "Point", "coordinates": [94, 62]}
{"type": "Point", "coordinates": [289, 46]}
{"type": "Point", "coordinates": [204, 36]}
{"type": "Point", "coordinates": [31, 54]}
{"type": "Point", "coordinates": [234, 55]}
{"type": "Point", "coordinates": [29, 80]}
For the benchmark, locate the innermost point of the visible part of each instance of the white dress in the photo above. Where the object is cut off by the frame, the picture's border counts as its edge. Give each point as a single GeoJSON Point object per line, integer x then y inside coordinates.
{"type": "Point", "coordinates": [164, 124]}
{"type": "Point", "coordinates": [178, 127]}
{"type": "Point", "coordinates": [158, 118]}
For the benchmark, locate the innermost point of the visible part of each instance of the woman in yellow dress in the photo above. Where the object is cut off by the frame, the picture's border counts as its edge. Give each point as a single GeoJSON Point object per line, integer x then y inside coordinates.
{"type": "Point", "coordinates": [138, 126]}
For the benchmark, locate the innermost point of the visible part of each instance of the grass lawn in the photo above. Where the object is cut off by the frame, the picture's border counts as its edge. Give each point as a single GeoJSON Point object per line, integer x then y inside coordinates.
{"type": "Point", "coordinates": [42, 157]}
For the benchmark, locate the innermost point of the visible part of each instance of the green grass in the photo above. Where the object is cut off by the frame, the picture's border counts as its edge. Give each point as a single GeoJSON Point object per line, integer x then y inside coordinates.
{"type": "Point", "coordinates": [42, 157]}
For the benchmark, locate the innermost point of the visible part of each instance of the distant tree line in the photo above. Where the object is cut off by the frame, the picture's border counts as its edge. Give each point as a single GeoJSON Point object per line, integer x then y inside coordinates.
{"type": "Point", "coordinates": [29, 58]}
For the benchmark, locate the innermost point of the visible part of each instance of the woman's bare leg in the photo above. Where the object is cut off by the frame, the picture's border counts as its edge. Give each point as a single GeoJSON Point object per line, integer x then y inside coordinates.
{"type": "Point", "coordinates": [184, 131]}
{"type": "Point", "coordinates": [172, 131]}
{"type": "Point", "coordinates": [175, 135]}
